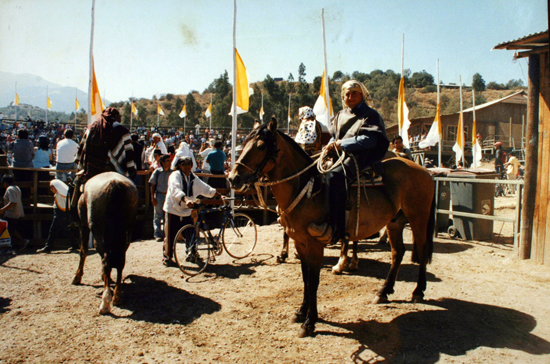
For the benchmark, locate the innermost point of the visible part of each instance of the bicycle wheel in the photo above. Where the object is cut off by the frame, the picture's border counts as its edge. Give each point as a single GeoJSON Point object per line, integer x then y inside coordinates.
{"type": "Point", "coordinates": [191, 250]}
{"type": "Point", "coordinates": [239, 236]}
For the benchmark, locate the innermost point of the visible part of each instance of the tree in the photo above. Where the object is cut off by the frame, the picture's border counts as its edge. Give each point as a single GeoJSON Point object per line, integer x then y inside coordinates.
{"type": "Point", "coordinates": [301, 73]}
{"type": "Point", "coordinates": [421, 79]}
{"type": "Point", "coordinates": [290, 78]}
{"type": "Point", "coordinates": [478, 84]}
{"type": "Point", "coordinates": [337, 76]}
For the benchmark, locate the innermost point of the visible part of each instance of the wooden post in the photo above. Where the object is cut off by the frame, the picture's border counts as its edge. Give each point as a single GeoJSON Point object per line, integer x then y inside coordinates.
{"type": "Point", "coordinates": [510, 144]}
{"type": "Point", "coordinates": [531, 158]}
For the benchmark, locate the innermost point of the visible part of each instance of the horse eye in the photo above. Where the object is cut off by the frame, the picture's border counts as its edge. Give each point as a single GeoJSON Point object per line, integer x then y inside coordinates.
{"type": "Point", "coordinates": [260, 145]}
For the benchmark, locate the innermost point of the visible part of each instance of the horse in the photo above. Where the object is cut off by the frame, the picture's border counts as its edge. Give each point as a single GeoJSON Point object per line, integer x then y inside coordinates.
{"type": "Point", "coordinates": [107, 208]}
{"type": "Point", "coordinates": [408, 187]}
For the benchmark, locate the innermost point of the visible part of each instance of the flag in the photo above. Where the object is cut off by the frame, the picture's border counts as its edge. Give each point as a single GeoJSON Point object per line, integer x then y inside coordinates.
{"type": "Point", "coordinates": [289, 118]}
{"type": "Point", "coordinates": [320, 107]}
{"type": "Point", "coordinates": [458, 148]}
{"type": "Point", "coordinates": [262, 113]}
{"type": "Point", "coordinates": [134, 109]}
{"type": "Point", "coordinates": [159, 110]}
{"type": "Point", "coordinates": [243, 90]}
{"type": "Point", "coordinates": [96, 102]}
{"type": "Point", "coordinates": [208, 112]}
{"type": "Point", "coordinates": [403, 114]}
{"type": "Point", "coordinates": [77, 104]}
{"type": "Point", "coordinates": [48, 102]}
{"type": "Point", "coordinates": [434, 135]}
{"type": "Point", "coordinates": [16, 101]}
{"type": "Point", "coordinates": [476, 148]}
{"type": "Point", "coordinates": [183, 113]}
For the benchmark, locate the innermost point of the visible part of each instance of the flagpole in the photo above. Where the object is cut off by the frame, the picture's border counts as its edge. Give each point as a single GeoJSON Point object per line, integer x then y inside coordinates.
{"type": "Point", "coordinates": [158, 114]}
{"type": "Point", "coordinates": [47, 96]}
{"type": "Point", "coordinates": [75, 98]}
{"type": "Point", "coordinates": [474, 132]}
{"type": "Point", "coordinates": [262, 109]}
{"type": "Point", "coordinates": [288, 124]}
{"type": "Point", "coordinates": [439, 121]}
{"type": "Point", "coordinates": [91, 66]}
{"type": "Point", "coordinates": [461, 124]}
{"type": "Point", "coordinates": [403, 55]}
{"type": "Point", "coordinates": [16, 101]}
{"type": "Point", "coordinates": [234, 121]}
{"type": "Point", "coordinates": [131, 111]}
{"type": "Point", "coordinates": [327, 91]}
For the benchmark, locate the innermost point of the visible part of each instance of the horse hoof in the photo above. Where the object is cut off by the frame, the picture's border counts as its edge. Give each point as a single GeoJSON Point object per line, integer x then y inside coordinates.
{"type": "Point", "coordinates": [380, 299]}
{"type": "Point", "coordinates": [281, 259]}
{"type": "Point", "coordinates": [353, 266]}
{"type": "Point", "coordinates": [306, 331]}
{"type": "Point", "coordinates": [336, 270]}
{"type": "Point", "coordinates": [417, 299]}
{"type": "Point", "coordinates": [299, 318]}
{"type": "Point", "coordinates": [76, 281]}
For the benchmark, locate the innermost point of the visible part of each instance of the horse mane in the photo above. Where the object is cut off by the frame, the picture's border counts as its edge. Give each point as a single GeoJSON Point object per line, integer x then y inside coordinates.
{"type": "Point", "coordinates": [295, 146]}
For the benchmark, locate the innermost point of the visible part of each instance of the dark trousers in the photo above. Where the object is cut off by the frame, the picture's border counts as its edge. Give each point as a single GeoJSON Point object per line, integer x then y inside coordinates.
{"type": "Point", "coordinates": [217, 182]}
{"type": "Point", "coordinates": [58, 228]}
{"type": "Point", "coordinates": [172, 224]}
{"type": "Point", "coordinates": [336, 181]}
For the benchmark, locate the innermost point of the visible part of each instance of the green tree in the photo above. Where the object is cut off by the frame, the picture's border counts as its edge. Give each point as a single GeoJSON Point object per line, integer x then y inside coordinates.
{"type": "Point", "coordinates": [478, 84]}
{"type": "Point", "coordinates": [301, 73]}
{"type": "Point", "coordinates": [421, 79]}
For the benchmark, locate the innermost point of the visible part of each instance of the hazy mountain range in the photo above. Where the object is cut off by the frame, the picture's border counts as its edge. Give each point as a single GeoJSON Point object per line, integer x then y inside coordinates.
{"type": "Point", "coordinates": [32, 90]}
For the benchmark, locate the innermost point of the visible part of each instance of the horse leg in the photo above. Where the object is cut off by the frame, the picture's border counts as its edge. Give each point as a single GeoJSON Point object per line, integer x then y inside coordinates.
{"type": "Point", "coordinates": [384, 238]}
{"type": "Point", "coordinates": [107, 296]}
{"type": "Point", "coordinates": [83, 252]}
{"type": "Point", "coordinates": [354, 264]}
{"type": "Point", "coordinates": [117, 296]}
{"type": "Point", "coordinates": [284, 251]}
{"type": "Point", "coordinates": [421, 254]}
{"type": "Point", "coordinates": [301, 314]}
{"type": "Point", "coordinates": [395, 234]}
{"type": "Point", "coordinates": [343, 261]}
{"type": "Point", "coordinates": [314, 261]}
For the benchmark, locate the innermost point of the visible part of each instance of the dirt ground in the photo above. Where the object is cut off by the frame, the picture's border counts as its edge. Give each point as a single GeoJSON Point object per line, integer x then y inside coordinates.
{"type": "Point", "coordinates": [482, 306]}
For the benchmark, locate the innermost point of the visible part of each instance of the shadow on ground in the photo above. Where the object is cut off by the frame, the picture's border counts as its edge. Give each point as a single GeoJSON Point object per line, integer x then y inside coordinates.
{"type": "Point", "coordinates": [448, 326]}
{"type": "Point", "coordinates": [155, 301]}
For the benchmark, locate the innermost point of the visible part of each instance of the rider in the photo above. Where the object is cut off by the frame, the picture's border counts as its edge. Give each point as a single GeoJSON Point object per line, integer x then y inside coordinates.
{"type": "Point", "coordinates": [309, 133]}
{"type": "Point", "coordinates": [106, 146]}
{"type": "Point", "coordinates": [359, 131]}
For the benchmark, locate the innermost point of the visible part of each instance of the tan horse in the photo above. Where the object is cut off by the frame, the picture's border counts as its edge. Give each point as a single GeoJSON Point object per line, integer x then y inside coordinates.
{"type": "Point", "coordinates": [408, 188]}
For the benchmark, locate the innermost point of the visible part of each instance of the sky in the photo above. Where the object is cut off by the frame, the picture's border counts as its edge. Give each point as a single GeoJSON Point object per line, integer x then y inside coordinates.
{"type": "Point", "coordinates": [147, 47]}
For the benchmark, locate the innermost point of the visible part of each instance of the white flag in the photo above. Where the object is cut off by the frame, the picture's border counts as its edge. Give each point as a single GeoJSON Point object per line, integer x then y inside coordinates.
{"type": "Point", "coordinates": [183, 112]}
{"type": "Point", "coordinates": [208, 112]}
{"type": "Point", "coordinates": [433, 136]}
{"type": "Point", "coordinates": [403, 114]}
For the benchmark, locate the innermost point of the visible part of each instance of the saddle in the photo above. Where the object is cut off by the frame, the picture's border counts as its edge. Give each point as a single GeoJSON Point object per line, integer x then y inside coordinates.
{"type": "Point", "coordinates": [367, 178]}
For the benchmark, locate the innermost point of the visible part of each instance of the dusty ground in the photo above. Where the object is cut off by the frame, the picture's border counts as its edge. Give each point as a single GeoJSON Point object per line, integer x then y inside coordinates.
{"type": "Point", "coordinates": [482, 306]}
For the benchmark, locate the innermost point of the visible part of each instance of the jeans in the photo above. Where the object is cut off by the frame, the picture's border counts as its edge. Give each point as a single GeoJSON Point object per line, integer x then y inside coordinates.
{"type": "Point", "coordinates": [64, 167]}
{"type": "Point", "coordinates": [159, 215]}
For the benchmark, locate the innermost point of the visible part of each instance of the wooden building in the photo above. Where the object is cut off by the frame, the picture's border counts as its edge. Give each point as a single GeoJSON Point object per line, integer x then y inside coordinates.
{"type": "Point", "coordinates": [499, 120]}
{"type": "Point", "coordinates": [535, 215]}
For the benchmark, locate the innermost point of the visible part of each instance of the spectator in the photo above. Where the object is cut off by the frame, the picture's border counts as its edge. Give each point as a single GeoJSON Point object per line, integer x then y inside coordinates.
{"type": "Point", "coordinates": [61, 216]}
{"type": "Point", "coordinates": [65, 158]}
{"type": "Point", "coordinates": [216, 160]}
{"type": "Point", "coordinates": [158, 144]}
{"type": "Point", "coordinates": [500, 157]}
{"type": "Point", "coordinates": [400, 149]}
{"type": "Point", "coordinates": [158, 184]}
{"type": "Point", "coordinates": [309, 134]}
{"type": "Point", "coordinates": [23, 154]}
{"type": "Point", "coordinates": [12, 210]}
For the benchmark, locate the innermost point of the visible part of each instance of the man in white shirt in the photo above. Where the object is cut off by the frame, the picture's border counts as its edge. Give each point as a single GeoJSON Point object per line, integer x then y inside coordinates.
{"type": "Point", "coordinates": [157, 143]}
{"type": "Point", "coordinates": [65, 156]}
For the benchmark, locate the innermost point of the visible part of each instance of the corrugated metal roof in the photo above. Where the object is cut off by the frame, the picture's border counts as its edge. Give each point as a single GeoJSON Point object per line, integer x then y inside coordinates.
{"type": "Point", "coordinates": [522, 40]}
{"type": "Point", "coordinates": [487, 104]}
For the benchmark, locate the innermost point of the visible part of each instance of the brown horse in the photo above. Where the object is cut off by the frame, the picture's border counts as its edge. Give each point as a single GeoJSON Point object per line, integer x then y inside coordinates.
{"type": "Point", "coordinates": [408, 188]}
{"type": "Point", "coordinates": [107, 208]}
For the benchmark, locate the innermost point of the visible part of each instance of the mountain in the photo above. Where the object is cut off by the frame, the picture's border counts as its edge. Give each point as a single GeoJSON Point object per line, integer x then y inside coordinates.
{"type": "Point", "coordinates": [32, 91]}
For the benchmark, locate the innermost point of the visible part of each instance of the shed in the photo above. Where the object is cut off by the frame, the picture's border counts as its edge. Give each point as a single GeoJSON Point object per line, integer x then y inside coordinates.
{"type": "Point", "coordinates": [535, 222]}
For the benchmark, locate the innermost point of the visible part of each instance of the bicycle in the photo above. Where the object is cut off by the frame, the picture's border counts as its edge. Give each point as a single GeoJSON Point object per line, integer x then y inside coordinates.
{"type": "Point", "coordinates": [195, 246]}
{"type": "Point", "coordinates": [501, 188]}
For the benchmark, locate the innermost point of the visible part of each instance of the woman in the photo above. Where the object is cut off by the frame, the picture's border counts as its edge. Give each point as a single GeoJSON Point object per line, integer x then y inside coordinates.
{"type": "Point", "coordinates": [23, 154]}
{"type": "Point", "coordinates": [42, 158]}
{"type": "Point", "coordinates": [309, 133]}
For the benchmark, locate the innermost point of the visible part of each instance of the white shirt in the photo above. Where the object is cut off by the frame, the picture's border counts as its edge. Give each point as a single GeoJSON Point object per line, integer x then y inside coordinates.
{"type": "Point", "coordinates": [204, 154]}
{"type": "Point", "coordinates": [160, 145]}
{"type": "Point", "coordinates": [66, 151]}
{"type": "Point", "coordinates": [174, 204]}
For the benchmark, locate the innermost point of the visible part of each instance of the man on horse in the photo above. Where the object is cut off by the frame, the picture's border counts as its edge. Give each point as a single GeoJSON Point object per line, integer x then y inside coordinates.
{"type": "Point", "coordinates": [359, 131]}
{"type": "Point", "coordinates": [106, 146]}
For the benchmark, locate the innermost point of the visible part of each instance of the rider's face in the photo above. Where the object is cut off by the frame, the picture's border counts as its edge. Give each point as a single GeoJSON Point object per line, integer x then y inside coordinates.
{"type": "Point", "coordinates": [353, 98]}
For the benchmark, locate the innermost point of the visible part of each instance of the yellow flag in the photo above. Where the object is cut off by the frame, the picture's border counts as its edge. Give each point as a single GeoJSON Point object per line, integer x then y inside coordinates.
{"type": "Point", "coordinates": [458, 148]}
{"type": "Point", "coordinates": [16, 99]}
{"type": "Point", "coordinates": [96, 103]}
{"type": "Point", "coordinates": [159, 110]}
{"type": "Point", "coordinates": [183, 112]}
{"type": "Point", "coordinates": [320, 107]}
{"type": "Point", "coordinates": [134, 109]}
{"type": "Point", "coordinates": [208, 112]}
{"type": "Point", "coordinates": [77, 104]}
{"type": "Point", "coordinates": [242, 85]}
{"type": "Point", "coordinates": [262, 112]}
{"type": "Point", "coordinates": [48, 102]}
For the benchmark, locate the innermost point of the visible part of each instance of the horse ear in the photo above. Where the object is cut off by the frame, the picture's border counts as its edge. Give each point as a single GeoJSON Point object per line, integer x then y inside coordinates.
{"type": "Point", "coordinates": [273, 125]}
{"type": "Point", "coordinates": [257, 124]}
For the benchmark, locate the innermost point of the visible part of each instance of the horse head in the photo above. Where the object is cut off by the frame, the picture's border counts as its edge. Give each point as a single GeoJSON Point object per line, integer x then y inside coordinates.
{"type": "Point", "coordinates": [257, 157]}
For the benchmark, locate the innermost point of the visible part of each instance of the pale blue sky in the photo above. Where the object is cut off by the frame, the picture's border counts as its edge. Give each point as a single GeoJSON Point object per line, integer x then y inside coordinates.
{"type": "Point", "coordinates": [144, 47]}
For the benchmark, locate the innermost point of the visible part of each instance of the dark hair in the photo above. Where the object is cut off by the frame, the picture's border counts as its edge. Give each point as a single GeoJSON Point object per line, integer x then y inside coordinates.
{"type": "Point", "coordinates": [69, 133]}
{"type": "Point", "coordinates": [43, 143]}
{"type": "Point", "coordinates": [8, 178]}
{"type": "Point", "coordinates": [164, 158]}
{"type": "Point", "coordinates": [397, 137]}
{"type": "Point", "coordinates": [23, 134]}
{"type": "Point", "coordinates": [134, 138]}
{"type": "Point", "coordinates": [157, 152]}
{"type": "Point", "coordinates": [218, 144]}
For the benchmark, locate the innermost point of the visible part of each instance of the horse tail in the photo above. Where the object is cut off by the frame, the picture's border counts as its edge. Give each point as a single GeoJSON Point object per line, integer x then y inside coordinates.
{"type": "Point", "coordinates": [116, 224]}
{"type": "Point", "coordinates": [430, 228]}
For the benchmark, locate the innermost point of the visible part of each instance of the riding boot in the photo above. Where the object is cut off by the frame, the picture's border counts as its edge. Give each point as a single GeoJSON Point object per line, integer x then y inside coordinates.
{"type": "Point", "coordinates": [337, 201]}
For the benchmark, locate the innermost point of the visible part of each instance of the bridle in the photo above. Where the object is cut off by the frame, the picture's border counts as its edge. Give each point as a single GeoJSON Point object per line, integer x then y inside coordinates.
{"type": "Point", "coordinates": [257, 173]}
